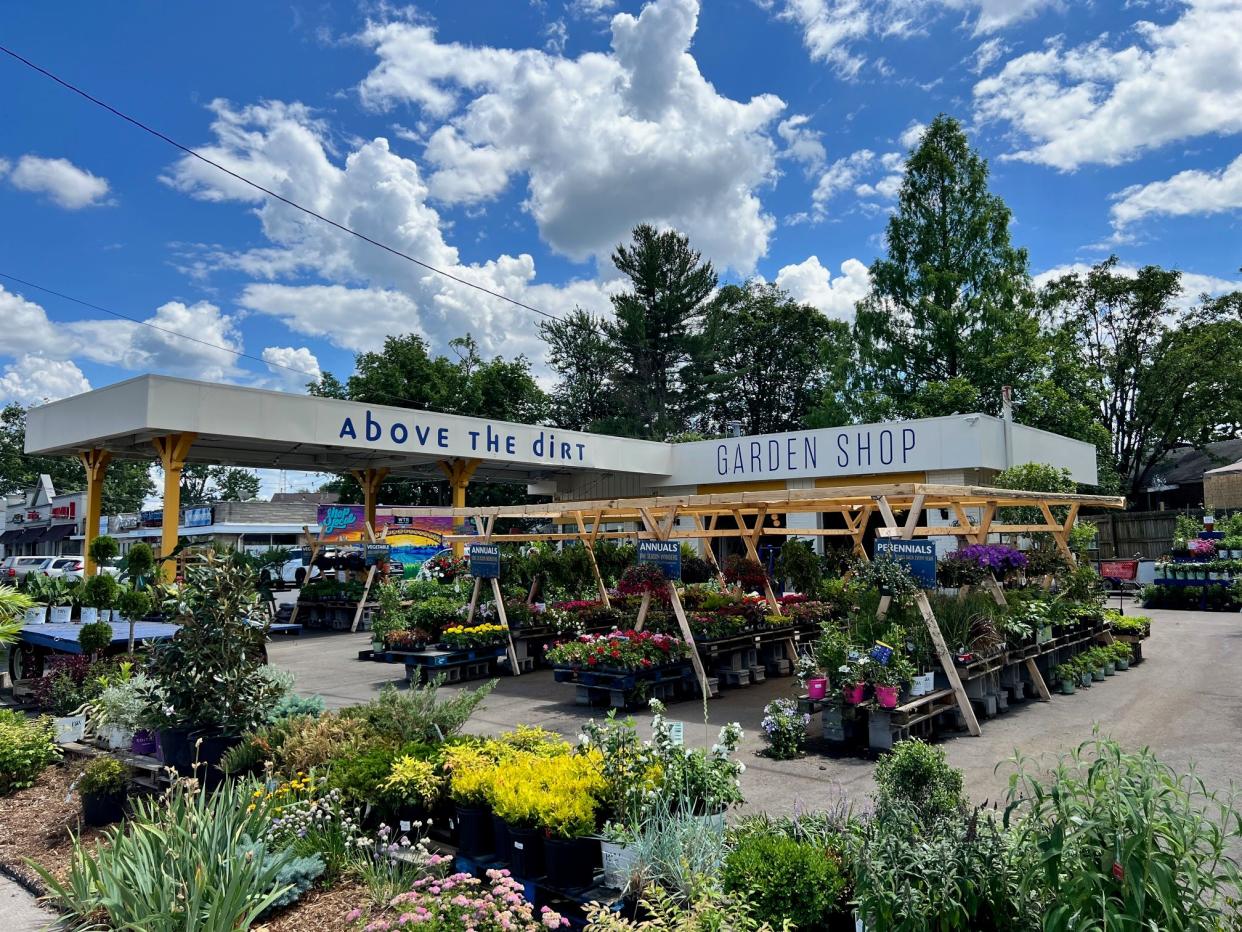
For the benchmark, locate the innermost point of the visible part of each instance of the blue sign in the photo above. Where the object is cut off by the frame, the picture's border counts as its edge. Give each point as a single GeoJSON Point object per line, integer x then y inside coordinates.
{"type": "Point", "coordinates": [196, 517]}
{"type": "Point", "coordinates": [918, 555]}
{"type": "Point", "coordinates": [376, 553]}
{"type": "Point", "coordinates": [666, 554]}
{"type": "Point", "coordinates": [484, 561]}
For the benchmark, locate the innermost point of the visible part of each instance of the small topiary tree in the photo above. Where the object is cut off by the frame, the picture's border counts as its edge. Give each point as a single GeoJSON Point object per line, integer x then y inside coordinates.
{"type": "Point", "coordinates": [916, 774]}
{"type": "Point", "coordinates": [102, 549]}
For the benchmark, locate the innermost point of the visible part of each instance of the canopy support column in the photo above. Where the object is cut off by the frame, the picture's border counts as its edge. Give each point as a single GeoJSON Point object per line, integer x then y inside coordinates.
{"type": "Point", "coordinates": [95, 461]}
{"type": "Point", "coordinates": [173, 450]}
{"type": "Point", "coordinates": [370, 479]}
{"type": "Point", "coordinates": [458, 472]}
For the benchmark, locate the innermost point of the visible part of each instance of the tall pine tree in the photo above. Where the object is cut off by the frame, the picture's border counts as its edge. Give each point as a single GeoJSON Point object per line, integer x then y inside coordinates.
{"type": "Point", "coordinates": [654, 330]}
{"type": "Point", "coordinates": [949, 319]}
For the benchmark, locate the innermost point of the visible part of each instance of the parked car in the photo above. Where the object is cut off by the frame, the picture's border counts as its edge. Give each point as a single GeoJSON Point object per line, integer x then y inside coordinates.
{"type": "Point", "coordinates": [78, 570]}
{"type": "Point", "coordinates": [14, 569]}
{"type": "Point", "coordinates": [293, 572]}
{"type": "Point", "coordinates": [69, 567]}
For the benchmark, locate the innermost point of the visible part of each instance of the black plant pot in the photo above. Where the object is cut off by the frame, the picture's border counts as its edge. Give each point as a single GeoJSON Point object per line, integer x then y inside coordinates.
{"type": "Point", "coordinates": [176, 749]}
{"type": "Point", "coordinates": [500, 832]}
{"type": "Point", "coordinates": [570, 862]}
{"type": "Point", "coordinates": [526, 852]}
{"type": "Point", "coordinates": [207, 748]}
{"type": "Point", "coordinates": [103, 810]}
{"type": "Point", "coordinates": [474, 831]}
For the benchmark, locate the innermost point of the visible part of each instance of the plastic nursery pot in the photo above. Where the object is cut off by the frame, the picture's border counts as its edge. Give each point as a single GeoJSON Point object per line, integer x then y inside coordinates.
{"type": "Point", "coordinates": [103, 810]}
{"type": "Point", "coordinates": [571, 862]}
{"type": "Point", "coordinates": [853, 694]}
{"type": "Point", "coordinates": [816, 688]}
{"type": "Point", "coordinates": [143, 743]}
{"type": "Point", "coordinates": [69, 728]}
{"type": "Point", "coordinates": [1098, 674]}
{"type": "Point", "coordinates": [1109, 669]}
{"type": "Point", "coordinates": [500, 832]}
{"type": "Point", "coordinates": [1067, 687]}
{"type": "Point", "coordinates": [474, 831]}
{"type": "Point", "coordinates": [526, 852]}
{"type": "Point", "coordinates": [210, 747]}
{"type": "Point", "coordinates": [62, 614]}
{"type": "Point", "coordinates": [886, 696]}
{"type": "Point", "coordinates": [1123, 665]}
{"type": "Point", "coordinates": [618, 860]}
{"type": "Point", "coordinates": [176, 750]}
{"type": "Point", "coordinates": [1086, 679]}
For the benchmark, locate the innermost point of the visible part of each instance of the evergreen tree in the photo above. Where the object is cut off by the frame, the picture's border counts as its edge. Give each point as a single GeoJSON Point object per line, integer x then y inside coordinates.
{"type": "Point", "coordinates": [654, 330]}
{"type": "Point", "coordinates": [949, 318]}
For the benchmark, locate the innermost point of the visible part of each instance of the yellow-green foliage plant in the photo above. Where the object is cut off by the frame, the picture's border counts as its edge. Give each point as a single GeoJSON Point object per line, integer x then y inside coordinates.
{"type": "Point", "coordinates": [559, 794]}
{"type": "Point", "coordinates": [471, 772]}
{"type": "Point", "coordinates": [414, 780]}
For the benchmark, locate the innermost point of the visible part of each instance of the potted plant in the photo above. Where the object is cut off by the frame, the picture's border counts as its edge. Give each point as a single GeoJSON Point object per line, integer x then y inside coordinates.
{"type": "Point", "coordinates": [118, 712]}
{"type": "Point", "coordinates": [1066, 676]}
{"type": "Point", "coordinates": [95, 638]}
{"type": "Point", "coordinates": [58, 593]}
{"type": "Point", "coordinates": [99, 594]}
{"type": "Point", "coordinates": [102, 551]}
{"type": "Point", "coordinates": [471, 773]}
{"type": "Point", "coordinates": [103, 787]}
{"type": "Point", "coordinates": [1095, 663]}
{"type": "Point", "coordinates": [811, 678]}
{"type": "Point", "coordinates": [854, 680]}
{"type": "Point", "coordinates": [888, 679]}
{"type": "Point", "coordinates": [138, 568]}
{"type": "Point", "coordinates": [61, 695]}
{"type": "Point", "coordinates": [414, 787]}
{"type": "Point", "coordinates": [1122, 653]}
{"type": "Point", "coordinates": [209, 670]}
{"type": "Point", "coordinates": [35, 586]}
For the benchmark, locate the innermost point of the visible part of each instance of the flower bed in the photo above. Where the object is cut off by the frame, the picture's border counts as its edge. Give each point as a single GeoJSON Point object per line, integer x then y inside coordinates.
{"type": "Point", "coordinates": [619, 650]}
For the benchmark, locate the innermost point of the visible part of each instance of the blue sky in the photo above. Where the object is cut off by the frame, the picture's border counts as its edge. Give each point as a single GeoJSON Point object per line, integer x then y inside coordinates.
{"type": "Point", "coordinates": [516, 142]}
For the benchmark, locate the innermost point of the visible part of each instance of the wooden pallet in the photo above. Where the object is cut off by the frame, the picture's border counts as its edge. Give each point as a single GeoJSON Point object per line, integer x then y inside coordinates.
{"type": "Point", "coordinates": [147, 772]}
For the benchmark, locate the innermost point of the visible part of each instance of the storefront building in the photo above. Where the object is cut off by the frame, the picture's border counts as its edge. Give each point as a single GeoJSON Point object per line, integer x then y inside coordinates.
{"type": "Point", "coordinates": [181, 421]}
{"type": "Point", "coordinates": [39, 522]}
{"type": "Point", "coordinates": [250, 526]}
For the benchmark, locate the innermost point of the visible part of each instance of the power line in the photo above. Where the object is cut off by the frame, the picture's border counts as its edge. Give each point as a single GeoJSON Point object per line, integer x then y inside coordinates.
{"type": "Point", "coordinates": [270, 193]}
{"type": "Point", "coordinates": [316, 376]}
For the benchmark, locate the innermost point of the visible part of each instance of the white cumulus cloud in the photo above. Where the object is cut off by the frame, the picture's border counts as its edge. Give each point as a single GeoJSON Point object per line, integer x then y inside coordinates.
{"type": "Point", "coordinates": [294, 366]}
{"type": "Point", "coordinates": [601, 142]}
{"type": "Point", "coordinates": [812, 283]}
{"type": "Point", "coordinates": [1191, 192]}
{"type": "Point", "coordinates": [1106, 102]}
{"type": "Point", "coordinates": [34, 379]}
{"type": "Point", "coordinates": [59, 179]}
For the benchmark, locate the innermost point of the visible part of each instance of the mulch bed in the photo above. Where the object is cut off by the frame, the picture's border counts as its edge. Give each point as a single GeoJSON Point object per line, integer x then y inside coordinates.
{"type": "Point", "coordinates": [37, 823]}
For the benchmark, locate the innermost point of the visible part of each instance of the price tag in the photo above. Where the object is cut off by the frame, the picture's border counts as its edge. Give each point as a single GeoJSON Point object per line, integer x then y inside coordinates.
{"type": "Point", "coordinates": [677, 732]}
{"type": "Point", "coordinates": [405, 825]}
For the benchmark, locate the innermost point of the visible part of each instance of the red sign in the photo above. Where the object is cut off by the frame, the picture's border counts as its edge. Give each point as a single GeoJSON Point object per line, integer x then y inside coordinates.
{"type": "Point", "coordinates": [1119, 569]}
{"type": "Point", "coordinates": [64, 511]}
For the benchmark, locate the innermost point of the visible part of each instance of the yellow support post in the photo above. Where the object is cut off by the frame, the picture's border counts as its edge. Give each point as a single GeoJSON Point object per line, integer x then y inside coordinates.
{"type": "Point", "coordinates": [95, 462]}
{"type": "Point", "coordinates": [173, 450]}
{"type": "Point", "coordinates": [370, 479]}
{"type": "Point", "coordinates": [458, 472]}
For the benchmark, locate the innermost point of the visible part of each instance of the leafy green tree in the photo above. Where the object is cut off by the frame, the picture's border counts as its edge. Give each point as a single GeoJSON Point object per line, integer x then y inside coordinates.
{"type": "Point", "coordinates": [405, 374]}
{"type": "Point", "coordinates": [235, 485]}
{"type": "Point", "coordinates": [762, 359]}
{"type": "Point", "coordinates": [653, 331]}
{"type": "Point", "coordinates": [951, 302]}
{"type": "Point", "coordinates": [580, 353]}
{"type": "Point", "coordinates": [126, 484]}
{"type": "Point", "coordinates": [1159, 376]}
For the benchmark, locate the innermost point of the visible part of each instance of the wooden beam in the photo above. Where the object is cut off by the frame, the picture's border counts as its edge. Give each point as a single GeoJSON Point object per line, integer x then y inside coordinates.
{"type": "Point", "coordinates": [588, 541]}
{"type": "Point", "coordinates": [937, 637]}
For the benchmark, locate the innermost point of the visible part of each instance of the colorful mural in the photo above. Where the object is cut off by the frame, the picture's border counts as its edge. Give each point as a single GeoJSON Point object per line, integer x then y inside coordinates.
{"type": "Point", "coordinates": [413, 540]}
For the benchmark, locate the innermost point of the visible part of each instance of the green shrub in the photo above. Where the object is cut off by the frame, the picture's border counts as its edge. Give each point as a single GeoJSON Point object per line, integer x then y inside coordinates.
{"type": "Point", "coordinates": [916, 773]}
{"type": "Point", "coordinates": [102, 549]}
{"type": "Point", "coordinates": [1125, 839]}
{"type": "Point", "coordinates": [359, 777]}
{"type": "Point", "coordinates": [26, 747]}
{"type": "Point", "coordinates": [95, 637]}
{"type": "Point", "coordinates": [959, 872]}
{"type": "Point", "coordinates": [783, 879]}
{"type": "Point", "coordinates": [100, 590]}
{"type": "Point", "coordinates": [104, 776]}
{"type": "Point", "coordinates": [418, 713]}
{"type": "Point", "coordinates": [709, 911]}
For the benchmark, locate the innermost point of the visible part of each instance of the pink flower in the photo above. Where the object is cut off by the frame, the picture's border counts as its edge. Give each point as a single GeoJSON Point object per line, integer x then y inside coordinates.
{"type": "Point", "coordinates": [353, 915]}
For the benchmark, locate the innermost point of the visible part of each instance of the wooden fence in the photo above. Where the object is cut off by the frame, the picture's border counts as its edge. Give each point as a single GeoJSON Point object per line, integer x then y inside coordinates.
{"type": "Point", "coordinates": [1147, 534]}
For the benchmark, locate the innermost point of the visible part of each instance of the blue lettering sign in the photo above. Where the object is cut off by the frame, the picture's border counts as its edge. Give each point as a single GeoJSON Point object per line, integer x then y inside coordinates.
{"type": "Point", "coordinates": [484, 561]}
{"type": "Point", "coordinates": [337, 518]}
{"type": "Point", "coordinates": [918, 555]}
{"type": "Point", "coordinates": [666, 554]}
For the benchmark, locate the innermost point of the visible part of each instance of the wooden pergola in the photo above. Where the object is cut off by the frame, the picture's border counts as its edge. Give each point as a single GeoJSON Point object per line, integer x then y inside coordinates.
{"type": "Point", "coordinates": [656, 518]}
